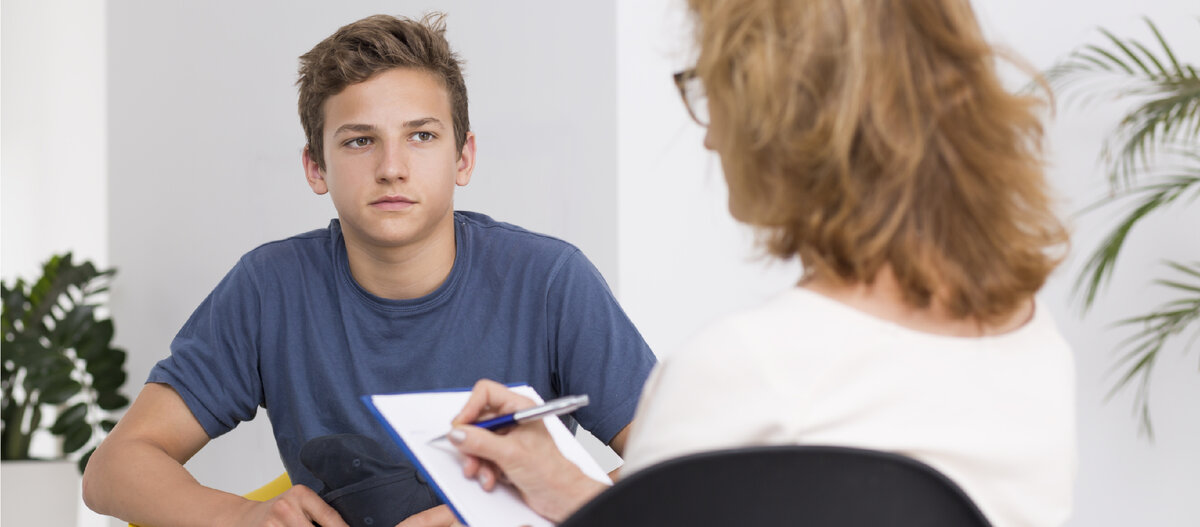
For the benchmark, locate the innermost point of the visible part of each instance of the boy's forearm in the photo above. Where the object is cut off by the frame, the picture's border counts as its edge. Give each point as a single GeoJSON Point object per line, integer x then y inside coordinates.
{"type": "Point", "coordinates": [139, 483]}
{"type": "Point", "coordinates": [618, 441]}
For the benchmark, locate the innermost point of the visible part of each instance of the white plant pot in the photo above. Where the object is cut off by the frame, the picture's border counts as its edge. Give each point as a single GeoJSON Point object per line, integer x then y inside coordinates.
{"type": "Point", "coordinates": [39, 493]}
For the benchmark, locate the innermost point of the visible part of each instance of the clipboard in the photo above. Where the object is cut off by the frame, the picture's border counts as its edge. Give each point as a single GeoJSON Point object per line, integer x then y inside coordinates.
{"type": "Point", "coordinates": [413, 419]}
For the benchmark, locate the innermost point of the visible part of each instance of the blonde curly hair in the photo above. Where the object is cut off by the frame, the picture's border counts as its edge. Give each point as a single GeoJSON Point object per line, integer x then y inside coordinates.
{"type": "Point", "coordinates": [862, 133]}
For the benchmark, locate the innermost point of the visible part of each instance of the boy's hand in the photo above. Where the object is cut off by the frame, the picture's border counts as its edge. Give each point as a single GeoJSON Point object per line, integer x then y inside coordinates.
{"type": "Point", "coordinates": [299, 506]}
{"type": "Point", "coordinates": [440, 516]}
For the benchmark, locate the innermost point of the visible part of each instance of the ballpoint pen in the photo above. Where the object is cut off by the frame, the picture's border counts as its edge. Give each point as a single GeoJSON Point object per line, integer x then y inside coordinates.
{"type": "Point", "coordinates": [555, 407]}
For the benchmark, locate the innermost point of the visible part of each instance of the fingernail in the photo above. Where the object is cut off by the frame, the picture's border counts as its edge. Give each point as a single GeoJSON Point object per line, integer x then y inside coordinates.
{"type": "Point", "coordinates": [457, 436]}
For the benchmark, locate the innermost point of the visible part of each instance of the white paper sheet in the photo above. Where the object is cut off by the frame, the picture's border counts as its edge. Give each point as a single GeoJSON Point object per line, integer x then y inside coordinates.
{"type": "Point", "coordinates": [416, 418]}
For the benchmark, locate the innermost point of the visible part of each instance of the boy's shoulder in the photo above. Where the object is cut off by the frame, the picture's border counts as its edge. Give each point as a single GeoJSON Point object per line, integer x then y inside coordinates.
{"type": "Point", "coordinates": [315, 244]}
{"type": "Point", "coordinates": [487, 233]}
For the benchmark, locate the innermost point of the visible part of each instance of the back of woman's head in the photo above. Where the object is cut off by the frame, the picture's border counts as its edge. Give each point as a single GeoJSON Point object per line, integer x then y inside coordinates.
{"type": "Point", "coordinates": [865, 133]}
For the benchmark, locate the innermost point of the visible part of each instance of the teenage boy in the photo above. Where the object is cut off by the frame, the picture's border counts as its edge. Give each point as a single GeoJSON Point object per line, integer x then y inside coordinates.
{"type": "Point", "coordinates": [400, 293]}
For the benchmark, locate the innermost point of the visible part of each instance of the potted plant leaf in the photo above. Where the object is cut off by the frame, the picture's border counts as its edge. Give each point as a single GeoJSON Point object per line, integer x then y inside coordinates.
{"type": "Point", "coordinates": [1152, 158]}
{"type": "Point", "coordinates": [58, 359]}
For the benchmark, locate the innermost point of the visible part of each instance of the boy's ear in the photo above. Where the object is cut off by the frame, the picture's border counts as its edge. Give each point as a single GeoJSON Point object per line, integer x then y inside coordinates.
{"type": "Point", "coordinates": [313, 173]}
{"type": "Point", "coordinates": [466, 161]}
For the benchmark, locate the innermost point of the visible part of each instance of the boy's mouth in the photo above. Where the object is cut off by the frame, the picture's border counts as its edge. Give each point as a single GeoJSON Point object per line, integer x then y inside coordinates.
{"type": "Point", "coordinates": [392, 203]}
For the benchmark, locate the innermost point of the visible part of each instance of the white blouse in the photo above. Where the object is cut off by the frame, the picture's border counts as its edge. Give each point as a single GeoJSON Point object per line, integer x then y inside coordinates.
{"type": "Point", "coordinates": [994, 414]}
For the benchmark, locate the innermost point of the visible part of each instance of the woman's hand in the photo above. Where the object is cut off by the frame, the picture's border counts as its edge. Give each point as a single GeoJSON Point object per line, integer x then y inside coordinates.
{"type": "Point", "coordinates": [523, 455]}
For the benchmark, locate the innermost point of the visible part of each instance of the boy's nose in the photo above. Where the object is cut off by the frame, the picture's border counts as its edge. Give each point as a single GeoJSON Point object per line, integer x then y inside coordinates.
{"type": "Point", "coordinates": [394, 164]}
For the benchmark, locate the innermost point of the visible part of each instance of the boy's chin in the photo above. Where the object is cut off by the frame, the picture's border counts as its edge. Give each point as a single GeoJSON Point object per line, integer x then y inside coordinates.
{"type": "Point", "coordinates": [396, 234]}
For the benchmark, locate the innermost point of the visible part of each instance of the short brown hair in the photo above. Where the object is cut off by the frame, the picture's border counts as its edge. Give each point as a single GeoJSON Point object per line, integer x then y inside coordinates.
{"type": "Point", "coordinates": [369, 46]}
{"type": "Point", "coordinates": [876, 132]}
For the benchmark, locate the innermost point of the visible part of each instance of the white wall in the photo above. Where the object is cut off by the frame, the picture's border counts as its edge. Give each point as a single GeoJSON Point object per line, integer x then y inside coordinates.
{"type": "Point", "coordinates": [52, 136]}
{"type": "Point", "coordinates": [683, 261]}
{"type": "Point", "coordinates": [1123, 479]}
{"type": "Point", "coordinates": [53, 152]}
{"type": "Point", "coordinates": [203, 146]}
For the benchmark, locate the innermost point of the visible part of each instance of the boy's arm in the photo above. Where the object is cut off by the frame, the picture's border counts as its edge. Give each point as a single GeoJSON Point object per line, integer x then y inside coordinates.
{"type": "Point", "coordinates": [618, 441]}
{"type": "Point", "coordinates": [137, 474]}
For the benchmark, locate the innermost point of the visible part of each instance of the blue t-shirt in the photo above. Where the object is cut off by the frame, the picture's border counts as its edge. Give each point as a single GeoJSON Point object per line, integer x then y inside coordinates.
{"type": "Point", "coordinates": [290, 330]}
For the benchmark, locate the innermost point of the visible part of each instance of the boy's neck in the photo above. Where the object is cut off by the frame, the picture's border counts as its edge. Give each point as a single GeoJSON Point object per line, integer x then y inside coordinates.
{"type": "Point", "coordinates": [405, 272]}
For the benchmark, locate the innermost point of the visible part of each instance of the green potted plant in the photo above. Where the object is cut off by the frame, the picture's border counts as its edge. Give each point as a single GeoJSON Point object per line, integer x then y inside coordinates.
{"type": "Point", "coordinates": [1152, 158]}
{"type": "Point", "coordinates": [58, 358]}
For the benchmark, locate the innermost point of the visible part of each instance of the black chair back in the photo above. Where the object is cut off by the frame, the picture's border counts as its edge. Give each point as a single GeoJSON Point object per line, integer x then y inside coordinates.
{"type": "Point", "coordinates": [783, 485]}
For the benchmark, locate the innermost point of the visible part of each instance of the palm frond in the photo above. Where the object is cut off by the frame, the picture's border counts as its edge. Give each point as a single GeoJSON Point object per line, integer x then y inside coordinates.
{"type": "Point", "coordinates": [1158, 67]}
{"type": "Point", "coordinates": [1163, 42]}
{"type": "Point", "coordinates": [1170, 115]}
{"type": "Point", "coordinates": [1161, 128]}
{"type": "Point", "coordinates": [1167, 94]}
{"type": "Point", "coordinates": [1155, 330]}
{"type": "Point", "coordinates": [1144, 200]}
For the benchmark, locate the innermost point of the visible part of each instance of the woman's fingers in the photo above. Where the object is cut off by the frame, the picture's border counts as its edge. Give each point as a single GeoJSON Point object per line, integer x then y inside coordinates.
{"type": "Point", "coordinates": [470, 466]}
{"type": "Point", "coordinates": [483, 444]}
{"type": "Point", "coordinates": [489, 398]}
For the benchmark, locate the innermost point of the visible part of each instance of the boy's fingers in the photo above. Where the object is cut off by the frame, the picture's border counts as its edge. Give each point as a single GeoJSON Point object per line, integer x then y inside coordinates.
{"type": "Point", "coordinates": [301, 506]}
{"type": "Point", "coordinates": [325, 515]}
{"type": "Point", "coordinates": [440, 516]}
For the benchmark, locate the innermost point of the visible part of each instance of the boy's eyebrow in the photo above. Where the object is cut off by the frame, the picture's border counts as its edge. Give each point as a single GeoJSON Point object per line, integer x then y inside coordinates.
{"type": "Point", "coordinates": [366, 128]}
{"type": "Point", "coordinates": [417, 123]}
{"type": "Point", "coordinates": [354, 127]}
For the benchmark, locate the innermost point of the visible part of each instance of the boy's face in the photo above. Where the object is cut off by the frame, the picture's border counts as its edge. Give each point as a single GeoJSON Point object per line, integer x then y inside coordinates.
{"type": "Point", "coordinates": [390, 159]}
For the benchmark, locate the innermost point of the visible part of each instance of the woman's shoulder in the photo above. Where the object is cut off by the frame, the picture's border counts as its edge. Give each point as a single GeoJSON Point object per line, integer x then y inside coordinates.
{"type": "Point", "coordinates": [792, 322]}
{"type": "Point", "coordinates": [794, 310]}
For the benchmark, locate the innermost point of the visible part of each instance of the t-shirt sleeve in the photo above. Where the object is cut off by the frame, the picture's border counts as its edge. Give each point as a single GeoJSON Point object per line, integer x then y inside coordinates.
{"type": "Point", "coordinates": [214, 358]}
{"type": "Point", "coordinates": [595, 347]}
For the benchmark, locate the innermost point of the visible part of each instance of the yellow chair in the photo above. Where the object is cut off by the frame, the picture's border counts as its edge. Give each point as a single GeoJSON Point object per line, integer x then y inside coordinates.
{"type": "Point", "coordinates": [276, 487]}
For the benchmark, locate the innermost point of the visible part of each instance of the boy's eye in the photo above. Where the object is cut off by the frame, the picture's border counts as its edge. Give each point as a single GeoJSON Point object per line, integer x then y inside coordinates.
{"type": "Point", "coordinates": [359, 142]}
{"type": "Point", "coordinates": [422, 137]}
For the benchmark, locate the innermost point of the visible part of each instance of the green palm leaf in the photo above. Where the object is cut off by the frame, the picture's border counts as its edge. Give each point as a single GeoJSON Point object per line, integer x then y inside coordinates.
{"type": "Point", "coordinates": [1166, 92]}
{"type": "Point", "coordinates": [1166, 187]}
{"type": "Point", "coordinates": [1152, 160]}
{"type": "Point", "coordinates": [1154, 330]}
